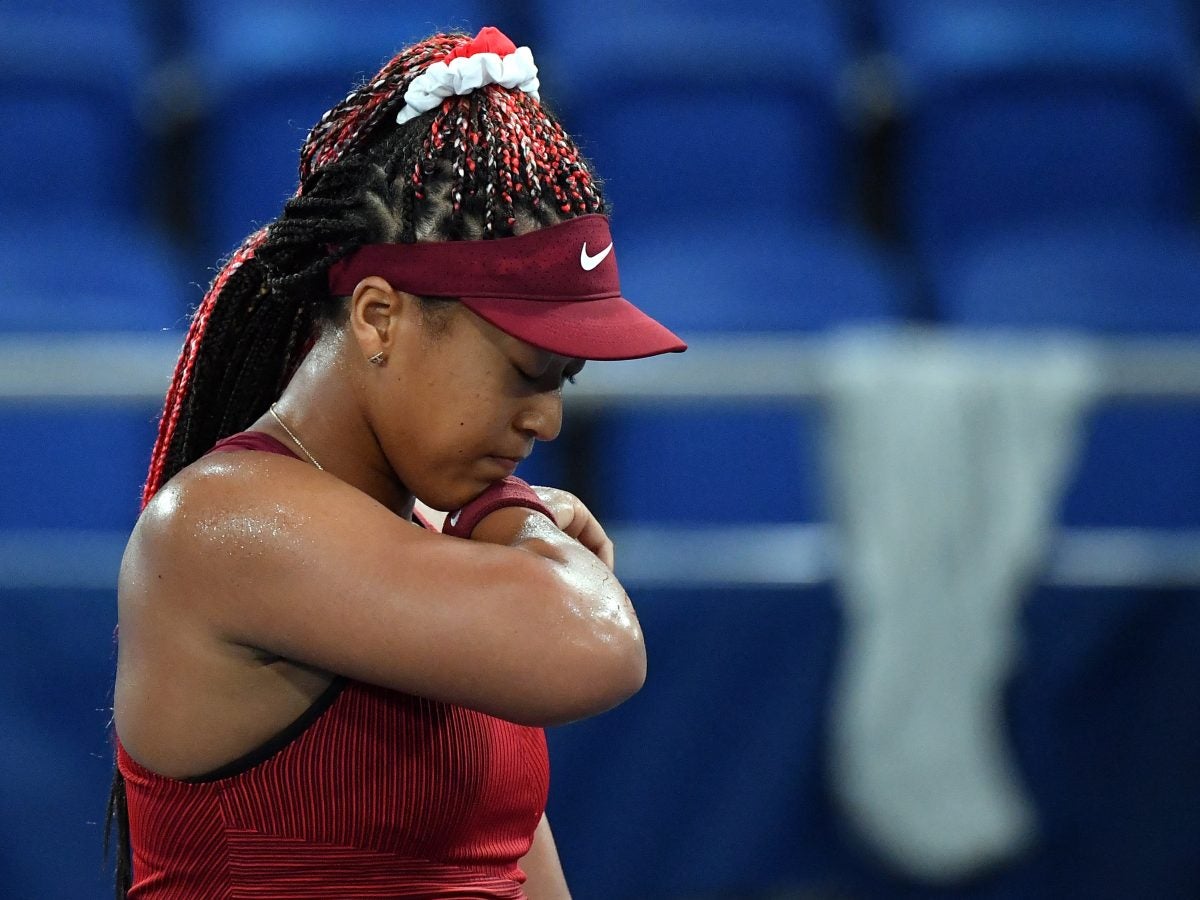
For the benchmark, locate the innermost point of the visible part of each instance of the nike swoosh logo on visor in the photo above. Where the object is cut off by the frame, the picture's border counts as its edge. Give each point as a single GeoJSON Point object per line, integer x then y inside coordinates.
{"type": "Point", "coordinates": [590, 262]}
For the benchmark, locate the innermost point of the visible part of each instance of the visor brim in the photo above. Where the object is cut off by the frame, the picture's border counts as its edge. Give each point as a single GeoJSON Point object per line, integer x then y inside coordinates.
{"type": "Point", "coordinates": [606, 329]}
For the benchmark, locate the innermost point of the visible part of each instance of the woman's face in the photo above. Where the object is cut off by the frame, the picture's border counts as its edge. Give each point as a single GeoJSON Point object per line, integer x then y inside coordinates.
{"type": "Point", "coordinates": [460, 403]}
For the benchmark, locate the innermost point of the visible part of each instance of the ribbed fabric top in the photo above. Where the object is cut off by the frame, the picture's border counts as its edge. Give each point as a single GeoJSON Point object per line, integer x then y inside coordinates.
{"type": "Point", "coordinates": [371, 793]}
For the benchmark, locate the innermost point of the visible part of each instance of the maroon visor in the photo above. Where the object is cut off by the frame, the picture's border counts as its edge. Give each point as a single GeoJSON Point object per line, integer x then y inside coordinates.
{"type": "Point", "coordinates": [555, 288]}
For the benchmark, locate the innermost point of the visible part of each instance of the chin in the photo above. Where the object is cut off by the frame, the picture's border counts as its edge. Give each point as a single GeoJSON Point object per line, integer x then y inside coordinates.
{"type": "Point", "coordinates": [448, 498]}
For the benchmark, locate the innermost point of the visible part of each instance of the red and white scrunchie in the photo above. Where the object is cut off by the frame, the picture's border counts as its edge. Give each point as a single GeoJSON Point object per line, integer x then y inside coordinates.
{"type": "Point", "coordinates": [489, 58]}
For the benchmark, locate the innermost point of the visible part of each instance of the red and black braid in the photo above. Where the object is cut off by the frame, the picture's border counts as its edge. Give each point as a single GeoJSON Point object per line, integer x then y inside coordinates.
{"type": "Point", "coordinates": [358, 116]}
{"type": "Point", "coordinates": [185, 368]}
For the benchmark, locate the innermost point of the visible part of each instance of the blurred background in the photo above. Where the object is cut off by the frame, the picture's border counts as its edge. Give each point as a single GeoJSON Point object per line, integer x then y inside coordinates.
{"type": "Point", "coordinates": [914, 527]}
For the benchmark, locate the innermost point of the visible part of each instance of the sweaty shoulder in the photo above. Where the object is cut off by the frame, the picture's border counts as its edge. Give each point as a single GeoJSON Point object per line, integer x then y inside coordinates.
{"type": "Point", "coordinates": [246, 520]}
{"type": "Point", "coordinates": [262, 550]}
{"type": "Point", "coordinates": [230, 499]}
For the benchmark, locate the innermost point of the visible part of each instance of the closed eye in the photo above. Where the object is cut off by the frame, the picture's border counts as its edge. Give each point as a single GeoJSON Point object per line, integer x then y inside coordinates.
{"type": "Point", "coordinates": [526, 377]}
{"type": "Point", "coordinates": [569, 374]}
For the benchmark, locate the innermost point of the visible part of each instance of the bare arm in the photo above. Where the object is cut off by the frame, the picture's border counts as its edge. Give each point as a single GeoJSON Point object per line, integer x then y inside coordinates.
{"type": "Point", "coordinates": [523, 622]}
{"type": "Point", "coordinates": [543, 871]}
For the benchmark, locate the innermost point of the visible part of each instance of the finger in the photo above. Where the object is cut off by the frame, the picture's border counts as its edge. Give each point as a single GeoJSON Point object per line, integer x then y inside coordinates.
{"type": "Point", "coordinates": [576, 521]}
{"type": "Point", "coordinates": [560, 503]}
{"type": "Point", "coordinates": [607, 555]}
{"type": "Point", "coordinates": [592, 535]}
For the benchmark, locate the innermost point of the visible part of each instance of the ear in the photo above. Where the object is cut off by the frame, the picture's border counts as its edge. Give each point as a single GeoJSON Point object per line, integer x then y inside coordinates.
{"type": "Point", "coordinates": [381, 316]}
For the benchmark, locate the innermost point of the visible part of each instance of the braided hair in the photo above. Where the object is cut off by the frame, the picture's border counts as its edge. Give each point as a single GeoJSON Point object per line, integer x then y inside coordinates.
{"type": "Point", "coordinates": [486, 165]}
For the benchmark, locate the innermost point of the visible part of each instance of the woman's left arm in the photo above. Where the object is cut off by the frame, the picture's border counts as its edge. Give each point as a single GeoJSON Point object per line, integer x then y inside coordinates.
{"type": "Point", "coordinates": [544, 879]}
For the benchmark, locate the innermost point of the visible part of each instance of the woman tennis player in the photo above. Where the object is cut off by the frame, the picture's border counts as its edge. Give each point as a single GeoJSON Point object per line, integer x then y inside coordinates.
{"type": "Point", "coordinates": [318, 693]}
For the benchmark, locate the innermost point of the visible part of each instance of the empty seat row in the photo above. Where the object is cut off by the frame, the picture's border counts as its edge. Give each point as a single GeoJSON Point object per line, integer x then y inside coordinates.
{"type": "Point", "coordinates": [1009, 113]}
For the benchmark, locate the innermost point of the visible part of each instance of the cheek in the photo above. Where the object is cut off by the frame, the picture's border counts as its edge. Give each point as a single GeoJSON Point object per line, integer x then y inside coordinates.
{"type": "Point", "coordinates": [456, 420]}
{"type": "Point", "coordinates": [443, 452]}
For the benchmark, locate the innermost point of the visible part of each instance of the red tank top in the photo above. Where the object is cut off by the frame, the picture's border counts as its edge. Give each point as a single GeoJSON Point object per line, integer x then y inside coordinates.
{"type": "Point", "coordinates": [370, 793]}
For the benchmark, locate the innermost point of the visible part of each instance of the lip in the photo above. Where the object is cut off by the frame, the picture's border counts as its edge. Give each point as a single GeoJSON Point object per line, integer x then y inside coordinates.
{"type": "Point", "coordinates": [509, 463]}
{"type": "Point", "coordinates": [518, 457]}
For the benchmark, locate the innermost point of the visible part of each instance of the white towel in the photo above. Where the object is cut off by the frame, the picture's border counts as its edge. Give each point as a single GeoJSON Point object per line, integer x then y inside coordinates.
{"type": "Point", "coordinates": [948, 455]}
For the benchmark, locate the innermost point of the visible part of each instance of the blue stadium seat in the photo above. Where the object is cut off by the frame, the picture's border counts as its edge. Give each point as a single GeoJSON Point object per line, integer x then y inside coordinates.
{"type": "Point", "coordinates": [74, 467]}
{"type": "Point", "coordinates": [74, 464]}
{"type": "Point", "coordinates": [79, 274]}
{"type": "Point", "coordinates": [267, 71]}
{"type": "Point", "coordinates": [1095, 709]}
{"type": "Point", "coordinates": [755, 463]}
{"type": "Point", "coordinates": [72, 480]}
{"type": "Point", "coordinates": [1020, 111]}
{"type": "Point", "coordinates": [55, 701]}
{"type": "Point", "coordinates": [1142, 460]}
{"type": "Point", "coordinates": [1108, 744]}
{"type": "Point", "coordinates": [71, 84]}
{"type": "Point", "coordinates": [705, 110]}
{"type": "Point", "coordinates": [708, 783]}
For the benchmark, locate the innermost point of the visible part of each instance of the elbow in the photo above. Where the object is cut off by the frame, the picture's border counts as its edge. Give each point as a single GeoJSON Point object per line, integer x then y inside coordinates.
{"type": "Point", "coordinates": [597, 659]}
{"type": "Point", "coordinates": [633, 672]}
{"type": "Point", "coordinates": [605, 675]}
{"type": "Point", "coordinates": [624, 670]}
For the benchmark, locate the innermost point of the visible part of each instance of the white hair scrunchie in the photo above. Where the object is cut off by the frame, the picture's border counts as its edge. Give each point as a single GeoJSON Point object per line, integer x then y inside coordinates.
{"type": "Point", "coordinates": [466, 73]}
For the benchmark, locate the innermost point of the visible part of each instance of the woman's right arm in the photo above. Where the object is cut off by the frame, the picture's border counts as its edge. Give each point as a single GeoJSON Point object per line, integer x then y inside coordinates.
{"type": "Point", "coordinates": [522, 622]}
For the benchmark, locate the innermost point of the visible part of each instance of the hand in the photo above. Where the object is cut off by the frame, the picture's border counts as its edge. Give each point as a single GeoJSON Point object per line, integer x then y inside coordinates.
{"type": "Point", "coordinates": [576, 520]}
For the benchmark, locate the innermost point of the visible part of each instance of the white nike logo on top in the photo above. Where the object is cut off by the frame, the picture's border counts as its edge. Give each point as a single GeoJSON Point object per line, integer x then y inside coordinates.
{"type": "Point", "coordinates": [590, 262]}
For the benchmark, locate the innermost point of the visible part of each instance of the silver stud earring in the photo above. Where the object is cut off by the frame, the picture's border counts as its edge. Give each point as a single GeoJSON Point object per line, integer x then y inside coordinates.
{"type": "Point", "coordinates": [377, 359]}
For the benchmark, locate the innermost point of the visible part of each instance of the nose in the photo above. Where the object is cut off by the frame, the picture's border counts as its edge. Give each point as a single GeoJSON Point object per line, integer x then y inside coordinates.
{"type": "Point", "coordinates": [540, 416]}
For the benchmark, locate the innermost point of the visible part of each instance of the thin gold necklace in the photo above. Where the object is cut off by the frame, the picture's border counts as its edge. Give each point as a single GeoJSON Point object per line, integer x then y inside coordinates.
{"type": "Point", "coordinates": [283, 425]}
